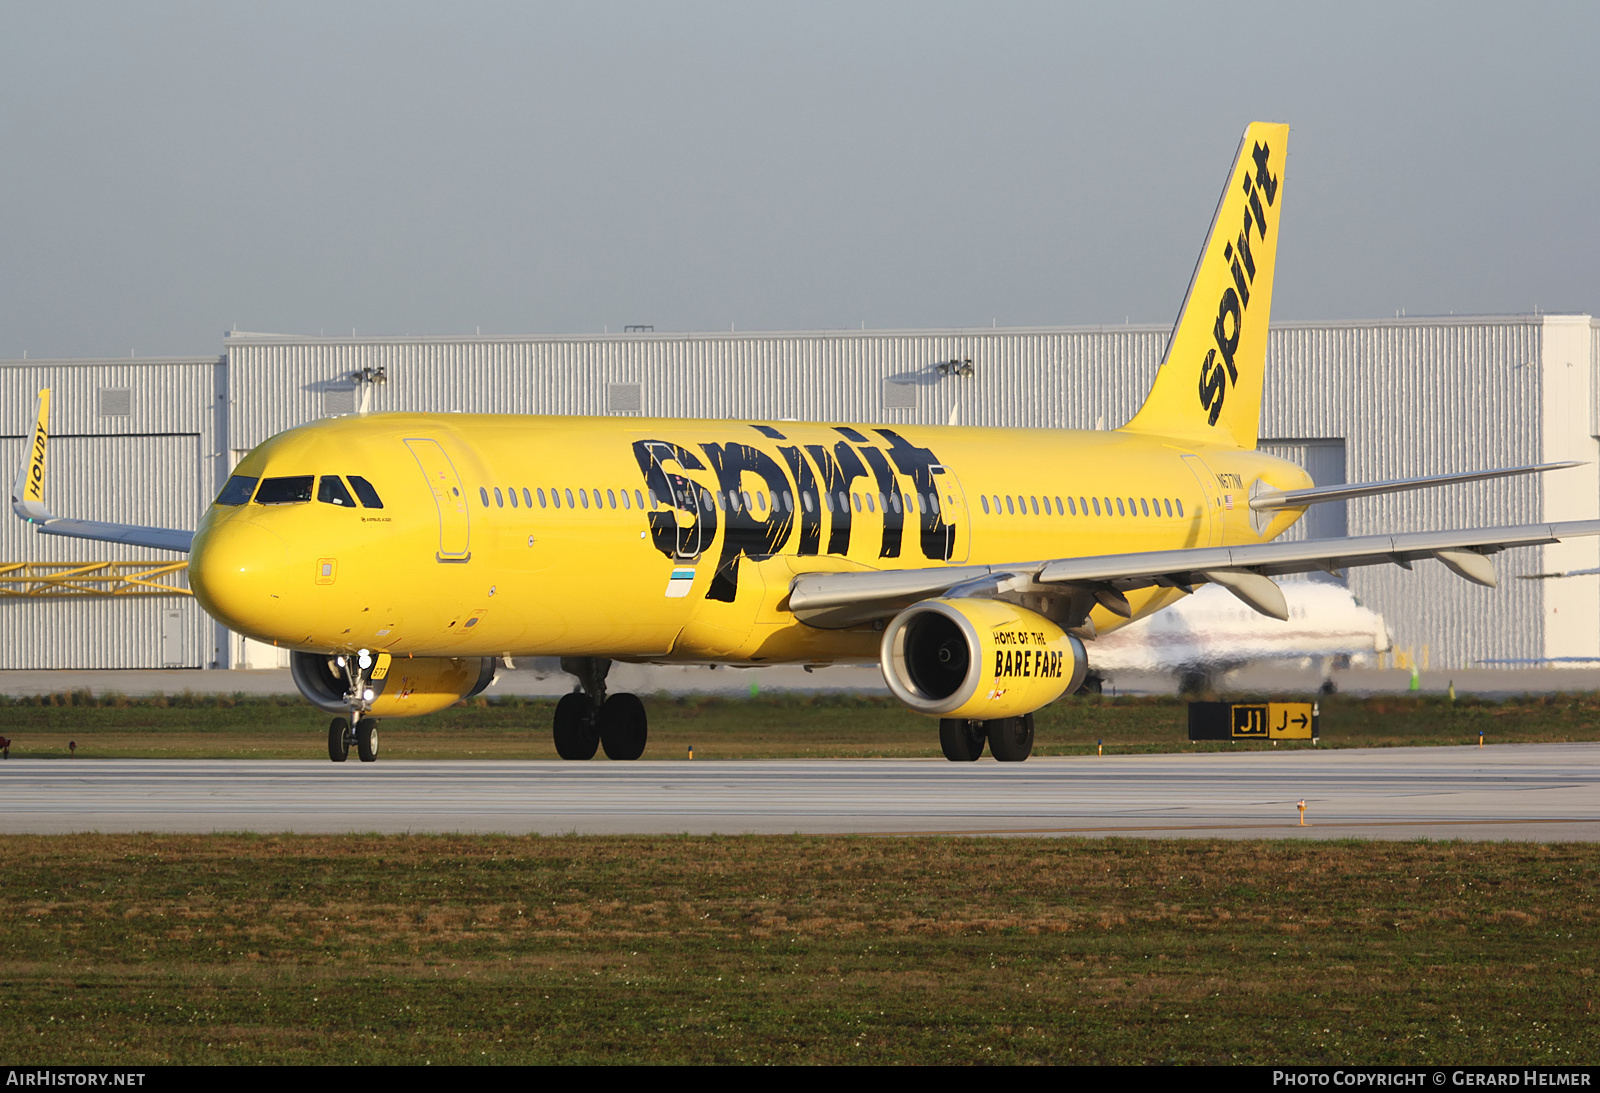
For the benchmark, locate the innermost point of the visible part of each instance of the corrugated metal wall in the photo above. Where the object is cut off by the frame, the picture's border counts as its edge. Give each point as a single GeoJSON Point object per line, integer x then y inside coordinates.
{"type": "Point", "coordinates": [132, 441]}
{"type": "Point", "coordinates": [1421, 397]}
{"type": "Point", "coordinates": [1057, 378]}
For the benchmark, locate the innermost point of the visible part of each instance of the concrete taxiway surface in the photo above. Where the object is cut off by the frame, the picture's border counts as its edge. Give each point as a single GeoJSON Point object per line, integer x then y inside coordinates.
{"type": "Point", "coordinates": [538, 677]}
{"type": "Point", "coordinates": [1543, 792]}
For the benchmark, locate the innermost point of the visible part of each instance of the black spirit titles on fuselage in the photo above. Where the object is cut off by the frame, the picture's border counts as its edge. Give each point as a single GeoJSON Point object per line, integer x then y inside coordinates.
{"type": "Point", "coordinates": [808, 480]}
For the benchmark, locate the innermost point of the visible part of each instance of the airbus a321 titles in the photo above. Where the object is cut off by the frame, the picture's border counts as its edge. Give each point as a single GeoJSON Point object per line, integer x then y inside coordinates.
{"type": "Point", "coordinates": [402, 556]}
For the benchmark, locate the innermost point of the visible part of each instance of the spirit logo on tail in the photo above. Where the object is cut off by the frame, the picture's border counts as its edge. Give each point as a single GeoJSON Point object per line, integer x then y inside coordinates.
{"type": "Point", "coordinates": [1214, 375]}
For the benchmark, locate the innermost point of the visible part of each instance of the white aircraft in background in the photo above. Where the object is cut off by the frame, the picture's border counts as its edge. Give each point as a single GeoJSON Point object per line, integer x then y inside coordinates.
{"type": "Point", "coordinates": [1204, 636]}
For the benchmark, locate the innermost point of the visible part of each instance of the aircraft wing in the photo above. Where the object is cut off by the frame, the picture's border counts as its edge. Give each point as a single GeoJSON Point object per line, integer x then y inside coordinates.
{"type": "Point", "coordinates": [837, 600]}
{"type": "Point", "coordinates": [174, 539]}
{"type": "Point", "coordinates": [27, 501]}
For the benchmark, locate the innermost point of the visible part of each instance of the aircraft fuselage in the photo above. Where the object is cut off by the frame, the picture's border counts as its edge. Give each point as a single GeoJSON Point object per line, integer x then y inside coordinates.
{"type": "Point", "coordinates": [673, 540]}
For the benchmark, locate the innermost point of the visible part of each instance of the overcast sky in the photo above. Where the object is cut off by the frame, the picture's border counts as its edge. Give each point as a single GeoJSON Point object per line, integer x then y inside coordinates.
{"type": "Point", "coordinates": [170, 170]}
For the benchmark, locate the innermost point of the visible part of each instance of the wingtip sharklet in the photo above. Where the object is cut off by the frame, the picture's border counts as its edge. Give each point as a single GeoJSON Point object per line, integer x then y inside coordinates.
{"type": "Point", "coordinates": [27, 491]}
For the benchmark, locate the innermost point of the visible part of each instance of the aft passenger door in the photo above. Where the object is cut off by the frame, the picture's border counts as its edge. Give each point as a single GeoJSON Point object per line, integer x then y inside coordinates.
{"type": "Point", "coordinates": [953, 512]}
{"type": "Point", "coordinates": [448, 495]}
{"type": "Point", "coordinates": [1211, 533]}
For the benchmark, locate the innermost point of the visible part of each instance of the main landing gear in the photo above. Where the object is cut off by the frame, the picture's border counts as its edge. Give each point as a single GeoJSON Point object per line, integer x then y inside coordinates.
{"type": "Point", "coordinates": [363, 734]}
{"type": "Point", "coordinates": [587, 719]}
{"type": "Point", "coordinates": [1010, 739]}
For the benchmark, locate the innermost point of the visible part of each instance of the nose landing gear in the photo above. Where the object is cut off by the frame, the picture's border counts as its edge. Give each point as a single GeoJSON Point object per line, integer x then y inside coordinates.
{"type": "Point", "coordinates": [589, 720]}
{"type": "Point", "coordinates": [363, 734]}
{"type": "Point", "coordinates": [357, 729]}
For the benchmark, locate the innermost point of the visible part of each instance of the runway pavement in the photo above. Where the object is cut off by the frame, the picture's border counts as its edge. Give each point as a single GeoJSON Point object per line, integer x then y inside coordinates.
{"type": "Point", "coordinates": [1543, 792]}
{"type": "Point", "coordinates": [540, 677]}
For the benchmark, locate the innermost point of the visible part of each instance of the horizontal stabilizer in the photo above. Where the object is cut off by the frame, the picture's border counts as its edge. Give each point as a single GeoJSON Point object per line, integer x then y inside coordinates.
{"type": "Point", "coordinates": [1318, 495]}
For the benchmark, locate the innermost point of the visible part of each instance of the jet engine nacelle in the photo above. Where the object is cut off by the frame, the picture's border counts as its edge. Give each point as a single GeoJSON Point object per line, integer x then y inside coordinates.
{"type": "Point", "coordinates": [979, 659]}
{"type": "Point", "coordinates": [408, 687]}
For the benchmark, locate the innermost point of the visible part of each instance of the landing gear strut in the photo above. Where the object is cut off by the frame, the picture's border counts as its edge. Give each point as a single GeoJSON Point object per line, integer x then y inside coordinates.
{"type": "Point", "coordinates": [341, 681]}
{"type": "Point", "coordinates": [587, 720]}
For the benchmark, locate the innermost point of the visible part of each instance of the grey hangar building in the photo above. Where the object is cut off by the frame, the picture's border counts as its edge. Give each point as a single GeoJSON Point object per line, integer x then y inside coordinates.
{"type": "Point", "coordinates": [151, 440]}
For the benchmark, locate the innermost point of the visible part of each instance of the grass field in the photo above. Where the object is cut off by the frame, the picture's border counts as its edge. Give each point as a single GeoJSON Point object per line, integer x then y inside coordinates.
{"type": "Point", "coordinates": [130, 950]}
{"type": "Point", "coordinates": [781, 726]}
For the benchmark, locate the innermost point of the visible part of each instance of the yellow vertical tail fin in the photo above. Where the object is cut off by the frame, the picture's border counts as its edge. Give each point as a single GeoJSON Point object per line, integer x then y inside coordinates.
{"type": "Point", "coordinates": [1209, 385]}
{"type": "Point", "coordinates": [27, 492]}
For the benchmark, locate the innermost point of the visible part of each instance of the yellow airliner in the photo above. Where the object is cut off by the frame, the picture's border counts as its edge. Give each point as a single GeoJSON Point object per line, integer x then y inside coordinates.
{"type": "Point", "coordinates": [401, 556]}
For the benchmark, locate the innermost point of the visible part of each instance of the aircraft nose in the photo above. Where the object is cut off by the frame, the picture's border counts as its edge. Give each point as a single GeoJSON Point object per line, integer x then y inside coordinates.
{"type": "Point", "coordinates": [239, 573]}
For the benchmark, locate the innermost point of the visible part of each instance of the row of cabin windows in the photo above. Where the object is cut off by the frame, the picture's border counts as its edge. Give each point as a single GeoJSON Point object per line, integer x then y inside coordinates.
{"type": "Point", "coordinates": [331, 490]}
{"type": "Point", "coordinates": [601, 500]}
{"type": "Point", "coordinates": [732, 501]}
{"type": "Point", "coordinates": [295, 489]}
{"type": "Point", "coordinates": [1137, 506]}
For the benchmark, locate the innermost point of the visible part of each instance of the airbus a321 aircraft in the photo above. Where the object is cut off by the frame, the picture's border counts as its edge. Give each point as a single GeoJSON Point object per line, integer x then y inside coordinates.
{"type": "Point", "coordinates": [401, 555]}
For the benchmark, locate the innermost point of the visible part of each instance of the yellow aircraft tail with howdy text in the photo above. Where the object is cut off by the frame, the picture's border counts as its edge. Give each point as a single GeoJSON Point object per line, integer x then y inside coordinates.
{"type": "Point", "coordinates": [1209, 385]}
{"type": "Point", "coordinates": [27, 492]}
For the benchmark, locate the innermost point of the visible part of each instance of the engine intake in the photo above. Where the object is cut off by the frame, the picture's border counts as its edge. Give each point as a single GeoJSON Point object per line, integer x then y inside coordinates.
{"type": "Point", "coordinates": [410, 687]}
{"type": "Point", "coordinates": [978, 659]}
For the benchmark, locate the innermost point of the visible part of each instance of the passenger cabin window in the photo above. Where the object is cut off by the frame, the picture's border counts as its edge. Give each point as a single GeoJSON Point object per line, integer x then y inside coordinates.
{"type": "Point", "coordinates": [483, 493]}
{"type": "Point", "coordinates": [331, 491]}
{"type": "Point", "coordinates": [369, 496]}
{"type": "Point", "coordinates": [285, 491]}
{"type": "Point", "coordinates": [237, 491]}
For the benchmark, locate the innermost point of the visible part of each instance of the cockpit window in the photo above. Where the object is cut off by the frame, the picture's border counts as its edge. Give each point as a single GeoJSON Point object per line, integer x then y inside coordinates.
{"type": "Point", "coordinates": [285, 491]}
{"type": "Point", "coordinates": [369, 496]}
{"type": "Point", "coordinates": [331, 491]}
{"type": "Point", "coordinates": [237, 491]}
